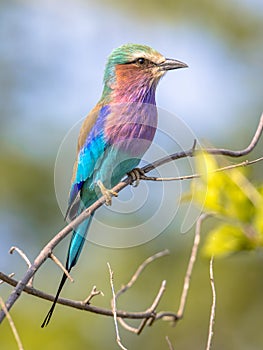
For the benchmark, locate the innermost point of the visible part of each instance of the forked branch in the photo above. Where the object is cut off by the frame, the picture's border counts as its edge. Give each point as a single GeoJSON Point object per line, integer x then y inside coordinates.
{"type": "Point", "coordinates": [47, 250]}
{"type": "Point", "coordinates": [85, 305]}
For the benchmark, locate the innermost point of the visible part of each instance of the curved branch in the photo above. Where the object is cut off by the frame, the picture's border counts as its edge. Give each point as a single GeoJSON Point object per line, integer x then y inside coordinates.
{"type": "Point", "coordinates": [157, 299]}
{"type": "Point", "coordinates": [216, 151]}
{"type": "Point", "coordinates": [80, 305]}
{"type": "Point", "coordinates": [140, 269]}
{"type": "Point", "coordinates": [47, 250]}
{"type": "Point", "coordinates": [245, 151]}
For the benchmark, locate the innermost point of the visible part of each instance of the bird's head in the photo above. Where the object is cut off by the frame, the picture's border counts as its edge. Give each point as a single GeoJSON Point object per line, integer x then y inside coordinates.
{"type": "Point", "coordinates": [134, 68]}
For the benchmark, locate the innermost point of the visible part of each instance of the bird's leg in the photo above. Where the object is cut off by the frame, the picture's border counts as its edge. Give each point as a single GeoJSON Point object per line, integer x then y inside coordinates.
{"type": "Point", "coordinates": [136, 175]}
{"type": "Point", "coordinates": [106, 193]}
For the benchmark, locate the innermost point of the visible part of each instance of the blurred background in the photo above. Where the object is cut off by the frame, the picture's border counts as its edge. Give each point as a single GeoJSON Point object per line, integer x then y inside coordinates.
{"type": "Point", "coordinates": [52, 57]}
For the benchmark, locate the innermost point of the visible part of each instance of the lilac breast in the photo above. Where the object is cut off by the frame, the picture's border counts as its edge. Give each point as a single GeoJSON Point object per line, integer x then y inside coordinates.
{"type": "Point", "coordinates": [131, 127]}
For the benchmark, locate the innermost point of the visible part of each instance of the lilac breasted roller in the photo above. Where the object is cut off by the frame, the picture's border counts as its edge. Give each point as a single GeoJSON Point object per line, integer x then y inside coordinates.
{"type": "Point", "coordinates": [115, 135]}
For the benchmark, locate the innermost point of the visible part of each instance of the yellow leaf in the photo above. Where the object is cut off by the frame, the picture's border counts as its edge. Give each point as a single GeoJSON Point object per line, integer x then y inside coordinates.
{"type": "Point", "coordinates": [226, 239]}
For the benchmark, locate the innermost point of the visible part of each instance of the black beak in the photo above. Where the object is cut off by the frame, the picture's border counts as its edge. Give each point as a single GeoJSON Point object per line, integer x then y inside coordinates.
{"type": "Point", "coordinates": [170, 63]}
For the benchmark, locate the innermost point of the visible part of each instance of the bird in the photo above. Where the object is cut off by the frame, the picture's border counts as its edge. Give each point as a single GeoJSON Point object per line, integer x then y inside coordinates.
{"type": "Point", "coordinates": [114, 136]}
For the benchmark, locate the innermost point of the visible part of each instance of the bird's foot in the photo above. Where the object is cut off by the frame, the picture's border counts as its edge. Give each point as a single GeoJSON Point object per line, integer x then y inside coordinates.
{"type": "Point", "coordinates": [136, 175]}
{"type": "Point", "coordinates": [106, 193]}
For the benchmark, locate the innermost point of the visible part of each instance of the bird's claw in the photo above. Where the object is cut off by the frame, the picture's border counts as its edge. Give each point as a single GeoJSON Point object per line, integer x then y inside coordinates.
{"type": "Point", "coordinates": [106, 193]}
{"type": "Point", "coordinates": [136, 175]}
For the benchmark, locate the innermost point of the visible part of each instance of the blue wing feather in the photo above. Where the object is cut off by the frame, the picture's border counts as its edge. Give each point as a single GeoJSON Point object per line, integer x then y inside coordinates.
{"type": "Point", "coordinates": [90, 154]}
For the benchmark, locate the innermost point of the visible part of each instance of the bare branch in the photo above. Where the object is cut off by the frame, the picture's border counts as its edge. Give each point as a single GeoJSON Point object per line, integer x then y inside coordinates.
{"type": "Point", "coordinates": [166, 316]}
{"type": "Point", "coordinates": [213, 307]}
{"type": "Point", "coordinates": [140, 269]}
{"type": "Point", "coordinates": [195, 176]}
{"type": "Point", "coordinates": [215, 151]}
{"type": "Point", "coordinates": [191, 263]}
{"type": "Point", "coordinates": [169, 343]}
{"type": "Point", "coordinates": [114, 309]}
{"type": "Point", "coordinates": [10, 275]}
{"type": "Point", "coordinates": [45, 252]}
{"type": "Point", "coordinates": [158, 297]}
{"type": "Point", "coordinates": [126, 326]}
{"type": "Point", "coordinates": [59, 263]}
{"type": "Point", "coordinates": [80, 305]}
{"type": "Point", "coordinates": [151, 316]}
{"type": "Point", "coordinates": [152, 308]}
{"type": "Point", "coordinates": [25, 258]}
{"type": "Point", "coordinates": [92, 294]}
{"type": "Point", "coordinates": [21, 253]}
{"type": "Point", "coordinates": [130, 284]}
{"type": "Point", "coordinates": [245, 151]}
{"type": "Point", "coordinates": [12, 325]}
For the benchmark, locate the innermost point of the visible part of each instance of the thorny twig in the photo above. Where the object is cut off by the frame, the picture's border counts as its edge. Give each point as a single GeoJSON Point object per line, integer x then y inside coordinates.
{"type": "Point", "coordinates": [45, 252]}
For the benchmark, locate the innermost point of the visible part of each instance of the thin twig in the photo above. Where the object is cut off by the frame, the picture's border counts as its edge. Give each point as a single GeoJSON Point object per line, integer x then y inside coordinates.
{"type": "Point", "coordinates": [25, 258]}
{"type": "Point", "coordinates": [157, 300]}
{"type": "Point", "coordinates": [151, 314]}
{"type": "Point", "coordinates": [10, 275]}
{"type": "Point", "coordinates": [114, 309]}
{"type": "Point", "coordinates": [45, 252]}
{"type": "Point", "coordinates": [130, 284]}
{"type": "Point", "coordinates": [92, 294]}
{"type": "Point", "coordinates": [126, 326]}
{"type": "Point", "coordinates": [216, 151]}
{"type": "Point", "coordinates": [59, 263]}
{"type": "Point", "coordinates": [140, 269]}
{"type": "Point", "coordinates": [166, 316]}
{"type": "Point", "coordinates": [191, 263]}
{"type": "Point", "coordinates": [169, 343]}
{"type": "Point", "coordinates": [12, 325]}
{"type": "Point", "coordinates": [21, 253]}
{"type": "Point", "coordinates": [213, 307]}
{"type": "Point", "coordinates": [152, 308]}
{"type": "Point", "coordinates": [195, 176]}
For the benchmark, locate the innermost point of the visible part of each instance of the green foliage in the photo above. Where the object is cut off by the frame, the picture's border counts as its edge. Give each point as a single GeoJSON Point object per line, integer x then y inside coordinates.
{"type": "Point", "coordinates": [235, 201]}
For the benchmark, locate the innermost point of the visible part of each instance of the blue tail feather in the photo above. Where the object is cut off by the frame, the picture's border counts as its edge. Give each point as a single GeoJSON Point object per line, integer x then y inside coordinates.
{"type": "Point", "coordinates": [77, 242]}
{"type": "Point", "coordinates": [75, 248]}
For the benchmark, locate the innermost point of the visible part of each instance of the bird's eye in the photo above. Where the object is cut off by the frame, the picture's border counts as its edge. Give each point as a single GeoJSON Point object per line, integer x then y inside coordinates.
{"type": "Point", "coordinates": [141, 60]}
